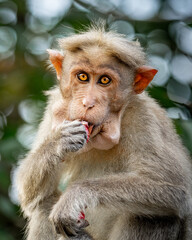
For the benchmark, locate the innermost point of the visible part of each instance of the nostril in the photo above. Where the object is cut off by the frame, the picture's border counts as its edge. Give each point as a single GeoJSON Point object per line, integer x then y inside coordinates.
{"type": "Point", "coordinates": [88, 106]}
{"type": "Point", "coordinates": [91, 106]}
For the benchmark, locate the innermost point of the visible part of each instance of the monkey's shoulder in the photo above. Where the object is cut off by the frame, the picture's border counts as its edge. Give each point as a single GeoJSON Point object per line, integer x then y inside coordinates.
{"type": "Point", "coordinates": [146, 116]}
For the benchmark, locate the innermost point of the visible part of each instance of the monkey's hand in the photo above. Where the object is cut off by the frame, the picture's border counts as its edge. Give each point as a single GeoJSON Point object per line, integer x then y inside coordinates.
{"type": "Point", "coordinates": [71, 137]}
{"type": "Point", "coordinates": [68, 213]}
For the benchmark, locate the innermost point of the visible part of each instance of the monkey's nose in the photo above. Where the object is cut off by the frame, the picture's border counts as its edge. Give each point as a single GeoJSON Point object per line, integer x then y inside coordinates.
{"type": "Point", "coordinates": [88, 103]}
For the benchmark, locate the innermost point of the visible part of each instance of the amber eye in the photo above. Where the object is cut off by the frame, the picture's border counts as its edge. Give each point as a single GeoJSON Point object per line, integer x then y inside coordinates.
{"type": "Point", "coordinates": [82, 77]}
{"type": "Point", "coordinates": [104, 80]}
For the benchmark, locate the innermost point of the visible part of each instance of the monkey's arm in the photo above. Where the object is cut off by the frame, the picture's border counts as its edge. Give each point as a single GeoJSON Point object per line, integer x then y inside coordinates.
{"type": "Point", "coordinates": [137, 194]}
{"type": "Point", "coordinates": [38, 175]}
{"type": "Point", "coordinates": [125, 192]}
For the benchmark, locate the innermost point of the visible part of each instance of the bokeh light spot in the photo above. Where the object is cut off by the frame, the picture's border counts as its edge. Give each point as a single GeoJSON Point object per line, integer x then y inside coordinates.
{"type": "Point", "coordinates": [48, 8]}
{"type": "Point", "coordinates": [140, 9]}
{"type": "Point", "coordinates": [161, 65]}
{"type": "Point", "coordinates": [7, 16]}
{"type": "Point", "coordinates": [8, 39]}
{"type": "Point", "coordinates": [178, 92]}
{"type": "Point", "coordinates": [123, 27]}
{"type": "Point", "coordinates": [39, 44]}
{"type": "Point", "coordinates": [26, 135]}
{"type": "Point", "coordinates": [30, 110]}
{"type": "Point", "coordinates": [178, 113]}
{"type": "Point", "coordinates": [181, 68]}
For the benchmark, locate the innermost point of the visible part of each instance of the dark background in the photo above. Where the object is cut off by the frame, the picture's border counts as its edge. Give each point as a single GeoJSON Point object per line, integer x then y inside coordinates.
{"type": "Point", "coordinates": [28, 28]}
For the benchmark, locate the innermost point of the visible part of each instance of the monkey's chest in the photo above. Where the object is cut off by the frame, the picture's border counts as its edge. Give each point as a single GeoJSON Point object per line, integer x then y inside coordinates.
{"type": "Point", "coordinates": [94, 164]}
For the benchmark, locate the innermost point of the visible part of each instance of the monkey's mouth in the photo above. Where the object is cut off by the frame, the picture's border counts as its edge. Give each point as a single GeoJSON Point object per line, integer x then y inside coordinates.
{"type": "Point", "coordinates": [91, 127]}
{"type": "Point", "coordinates": [94, 129]}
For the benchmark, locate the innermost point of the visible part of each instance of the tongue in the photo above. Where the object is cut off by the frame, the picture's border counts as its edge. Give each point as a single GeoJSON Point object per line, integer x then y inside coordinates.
{"type": "Point", "coordinates": [90, 129]}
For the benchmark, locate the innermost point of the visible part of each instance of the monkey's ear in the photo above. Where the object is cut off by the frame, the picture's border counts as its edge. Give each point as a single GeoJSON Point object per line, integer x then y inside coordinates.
{"type": "Point", "coordinates": [144, 76]}
{"type": "Point", "coordinates": [57, 59]}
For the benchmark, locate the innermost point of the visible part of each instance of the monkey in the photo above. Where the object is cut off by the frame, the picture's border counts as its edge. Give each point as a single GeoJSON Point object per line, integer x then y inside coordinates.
{"type": "Point", "coordinates": [129, 176]}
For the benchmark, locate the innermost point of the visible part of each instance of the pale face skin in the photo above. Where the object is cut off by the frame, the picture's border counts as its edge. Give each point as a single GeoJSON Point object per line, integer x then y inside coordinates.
{"type": "Point", "coordinates": [96, 97]}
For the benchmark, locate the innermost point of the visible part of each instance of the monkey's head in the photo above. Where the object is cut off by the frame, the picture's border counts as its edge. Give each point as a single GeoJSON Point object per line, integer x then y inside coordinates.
{"type": "Point", "coordinates": [99, 74]}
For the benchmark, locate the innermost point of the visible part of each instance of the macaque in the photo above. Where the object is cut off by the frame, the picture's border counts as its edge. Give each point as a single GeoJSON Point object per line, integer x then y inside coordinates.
{"type": "Point", "coordinates": [126, 173]}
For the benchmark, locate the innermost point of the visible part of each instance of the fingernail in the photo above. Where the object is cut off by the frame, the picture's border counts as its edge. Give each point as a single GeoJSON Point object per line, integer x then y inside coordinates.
{"type": "Point", "coordinates": [82, 215]}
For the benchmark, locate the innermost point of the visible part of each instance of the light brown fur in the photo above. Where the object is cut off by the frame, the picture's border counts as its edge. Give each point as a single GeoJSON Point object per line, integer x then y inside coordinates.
{"type": "Point", "coordinates": [138, 187]}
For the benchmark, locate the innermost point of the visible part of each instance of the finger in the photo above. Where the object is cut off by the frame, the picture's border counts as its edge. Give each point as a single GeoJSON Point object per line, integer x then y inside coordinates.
{"type": "Point", "coordinates": [83, 224]}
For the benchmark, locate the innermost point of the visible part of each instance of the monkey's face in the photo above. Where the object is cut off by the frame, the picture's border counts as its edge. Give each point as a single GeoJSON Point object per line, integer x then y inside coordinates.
{"type": "Point", "coordinates": [91, 86]}
{"type": "Point", "coordinates": [96, 88]}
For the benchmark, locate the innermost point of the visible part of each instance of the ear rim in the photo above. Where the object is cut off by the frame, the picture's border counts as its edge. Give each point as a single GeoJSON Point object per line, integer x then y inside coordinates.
{"type": "Point", "coordinates": [144, 75]}
{"type": "Point", "coordinates": [56, 58]}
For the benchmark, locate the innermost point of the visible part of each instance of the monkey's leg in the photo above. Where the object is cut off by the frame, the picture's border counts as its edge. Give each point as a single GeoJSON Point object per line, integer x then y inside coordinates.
{"type": "Point", "coordinates": [41, 228]}
{"type": "Point", "coordinates": [39, 225]}
{"type": "Point", "coordinates": [82, 236]}
{"type": "Point", "coordinates": [145, 228]}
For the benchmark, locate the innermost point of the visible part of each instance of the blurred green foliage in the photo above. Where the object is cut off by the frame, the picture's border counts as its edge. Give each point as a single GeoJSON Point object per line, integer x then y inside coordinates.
{"type": "Point", "coordinates": [28, 28]}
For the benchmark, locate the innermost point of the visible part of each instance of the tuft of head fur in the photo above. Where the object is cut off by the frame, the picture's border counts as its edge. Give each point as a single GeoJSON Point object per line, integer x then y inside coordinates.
{"type": "Point", "coordinates": [114, 44]}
